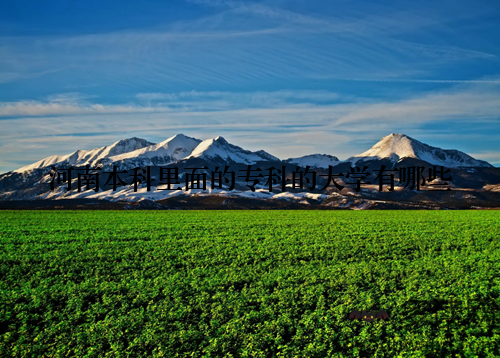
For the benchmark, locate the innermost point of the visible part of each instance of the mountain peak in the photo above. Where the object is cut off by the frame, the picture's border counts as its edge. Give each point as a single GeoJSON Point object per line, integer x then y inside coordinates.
{"type": "Point", "coordinates": [179, 136]}
{"type": "Point", "coordinates": [396, 146]}
{"type": "Point", "coordinates": [131, 139]}
{"type": "Point", "coordinates": [125, 146]}
{"type": "Point", "coordinates": [171, 149]}
{"type": "Point", "coordinates": [132, 142]}
{"type": "Point", "coordinates": [218, 147]}
{"type": "Point", "coordinates": [220, 140]}
{"type": "Point", "coordinates": [399, 135]}
{"type": "Point", "coordinates": [314, 160]}
{"type": "Point", "coordinates": [83, 157]}
{"type": "Point", "coordinates": [396, 136]}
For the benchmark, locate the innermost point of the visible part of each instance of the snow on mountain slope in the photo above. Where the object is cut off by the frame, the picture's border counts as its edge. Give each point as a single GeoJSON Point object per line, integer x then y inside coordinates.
{"type": "Point", "coordinates": [128, 194]}
{"type": "Point", "coordinates": [176, 148]}
{"type": "Point", "coordinates": [314, 160]}
{"type": "Point", "coordinates": [220, 148]}
{"type": "Point", "coordinates": [84, 157]}
{"type": "Point", "coordinates": [396, 146]}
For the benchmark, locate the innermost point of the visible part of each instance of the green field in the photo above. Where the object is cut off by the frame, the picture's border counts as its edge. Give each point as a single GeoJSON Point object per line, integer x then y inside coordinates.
{"type": "Point", "coordinates": [249, 283]}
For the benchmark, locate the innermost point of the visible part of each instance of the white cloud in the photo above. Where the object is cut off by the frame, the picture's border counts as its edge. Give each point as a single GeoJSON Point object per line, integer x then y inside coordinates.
{"type": "Point", "coordinates": [489, 156]}
{"type": "Point", "coordinates": [286, 129]}
{"type": "Point", "coordinates": [247, 44]}
{"type": "Point", "coordinates": [16, 75]}
{"type": "Point", "coordinates": [472, 102]}
{"type": "Point", "coordinates": [464, 102]}
{"type": "Point", "coordinates": [241, 99]}
{"type": "Point", "coordinates": [60, 107]}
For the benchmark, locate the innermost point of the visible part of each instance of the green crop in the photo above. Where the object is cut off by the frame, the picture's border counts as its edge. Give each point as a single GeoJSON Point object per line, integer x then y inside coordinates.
{"type": "Point", "coordinates": [249, 283]}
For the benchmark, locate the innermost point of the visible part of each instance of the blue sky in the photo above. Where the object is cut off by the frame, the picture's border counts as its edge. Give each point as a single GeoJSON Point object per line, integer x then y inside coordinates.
{"type": "Point", "coordinates": [292, 77]}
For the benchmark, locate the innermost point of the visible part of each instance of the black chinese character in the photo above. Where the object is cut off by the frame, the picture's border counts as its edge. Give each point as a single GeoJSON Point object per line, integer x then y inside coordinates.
{"type": "Point", "coordinates": [60, 176]}
{"type": "Point", "coordinates": [248, 175]}
{"type": "Point", "coordinates": [171, 175]}
{"type": "Point", "coordinates": [197, 180]}
{"type": "Point", "coordinates": [88, 179]}
{"type": "Point", "coordinates": [358, 174]}
{"type": "Point", "coordinates": [139, 178]}
{"type": "Point", "coordinates": [217, 177]}
{"type": "Point", "coordinates": [113, 176]}
{"type": "Point", "coordinates": [330, 179]}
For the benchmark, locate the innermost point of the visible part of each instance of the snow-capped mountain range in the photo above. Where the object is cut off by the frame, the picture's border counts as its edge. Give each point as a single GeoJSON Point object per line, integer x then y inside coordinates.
{"type": "Point", "coordinates": [31, 182]}
{"type": "Point", "coordinates": [137, 152]}
{"type": "Point", "coordinates": [84, 157]}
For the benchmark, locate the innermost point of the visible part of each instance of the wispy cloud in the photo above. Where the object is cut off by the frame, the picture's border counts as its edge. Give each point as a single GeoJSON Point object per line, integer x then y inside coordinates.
{"type": "Point", "coordinates": [293, 123]}
{"type": "Point", "coordinates": [73, 104]}
{"type": "Point", "coordinates": [6, 77]}
{"type": "Point", "coordinates": [247, 43]}
{"type": "Point", "coordinates": [473, 102]}
{"type": "Point", "coordinates": [264, 10]}
{"type": "Point", "coordinates": [243, 99]}
{"type": "Point", "coordinates": [463, 102]}
{"type": "Point", "coordinates": [403, 80]}
{"type": "Point", "coordinates": [492, 157]}
{"type": "Point", "coordinates": [56, 108]}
